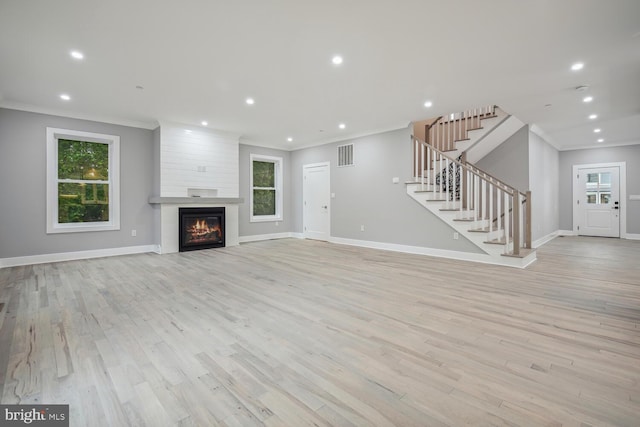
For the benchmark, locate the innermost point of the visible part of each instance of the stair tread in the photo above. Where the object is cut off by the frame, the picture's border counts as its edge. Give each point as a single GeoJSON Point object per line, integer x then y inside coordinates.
{"type": "Point", "coordinates": [464, 219]}
{"type": "Point", "coordinates": [499, 241]}
{"type": "Point", "coordinates": [524, 252]}
{"type": "Point", "coordinates": [479, 230]}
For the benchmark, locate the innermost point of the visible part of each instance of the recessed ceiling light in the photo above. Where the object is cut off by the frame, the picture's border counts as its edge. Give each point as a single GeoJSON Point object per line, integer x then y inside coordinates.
{"type": "Point", "coordinates": [428, 104]}
{"type": "Point", "coordinates": [204, 123]}
{"type": "Point", "coordinates": [597, 130]}
{"type": "Point", "coordinates": [577, 66]}
{"type": "Point", "coordinates": [65, 97]}
{"type": "Point", "coordinates": [250, 101]}
{"type": "Point", "coordinates": [76, 54]}
{"type": "Point", "coordinates": [601, 140]}
{"type": "Point", "coordinates": [290, 139]}
{"type": "Point", "coordinates": [587, 99]}
{"type": "Point", "coordinates": [342, 126]}
{"type": "Point", "coordinates": [337, 60]}
{"type": "Point", "coordinates": [593, 116]}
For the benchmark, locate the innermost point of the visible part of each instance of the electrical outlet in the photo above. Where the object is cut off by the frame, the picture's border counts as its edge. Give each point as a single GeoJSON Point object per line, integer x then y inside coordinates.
{"type": "Point", "coordinates": [362, 228]}
{"type": "Point", "coordinates": [277, 223]}
{"type": "Point", "coordinates": [134, 233]}
{"type": "Point", "coordinates": [456, 235]}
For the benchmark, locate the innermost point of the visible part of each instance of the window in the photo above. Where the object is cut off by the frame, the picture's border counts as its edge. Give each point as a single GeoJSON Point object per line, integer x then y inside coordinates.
{"type": "Point", "coordinates": [599, 188]}
{"type": "Point", "coordinates": [83, 189]}
{"type": "Point", "coordinates": [266, 188]}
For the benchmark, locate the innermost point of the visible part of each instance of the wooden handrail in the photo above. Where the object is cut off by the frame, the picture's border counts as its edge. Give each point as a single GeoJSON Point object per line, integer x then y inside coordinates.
{"type": "Point", "coordinates": [513, 217]}
{"type": "Point", "coordinates": [473, 169]}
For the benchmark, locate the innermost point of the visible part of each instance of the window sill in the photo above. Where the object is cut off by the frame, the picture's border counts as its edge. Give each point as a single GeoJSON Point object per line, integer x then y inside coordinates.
{"type": "Point", "coordinates": [84, 228]}
{"type": "Point", "coordinates": [265, 219]}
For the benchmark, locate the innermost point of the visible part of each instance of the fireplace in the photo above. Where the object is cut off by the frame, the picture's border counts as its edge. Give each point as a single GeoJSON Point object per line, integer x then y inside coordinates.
{"type": "Point", "coordinates": [201, 228]}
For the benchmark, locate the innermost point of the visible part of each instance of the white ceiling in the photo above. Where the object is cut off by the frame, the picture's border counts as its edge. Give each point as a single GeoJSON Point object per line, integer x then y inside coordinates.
{"type": "Point", "coordinates": [200, 59]}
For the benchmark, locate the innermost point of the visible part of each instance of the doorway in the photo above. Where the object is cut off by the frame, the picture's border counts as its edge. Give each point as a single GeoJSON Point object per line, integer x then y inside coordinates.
{"type": "Point", "coordinates": [599, 195]}
{"type": "Point", "coordinates": [316, 197]}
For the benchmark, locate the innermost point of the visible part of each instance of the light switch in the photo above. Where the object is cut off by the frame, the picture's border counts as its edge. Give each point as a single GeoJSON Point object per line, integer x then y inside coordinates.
{"type": "Point", "coordinates": [395, 180]}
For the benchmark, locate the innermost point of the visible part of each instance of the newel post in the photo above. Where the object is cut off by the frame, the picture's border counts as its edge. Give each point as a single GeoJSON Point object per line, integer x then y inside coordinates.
{"type": "Point", "coordinates": [527, 239]}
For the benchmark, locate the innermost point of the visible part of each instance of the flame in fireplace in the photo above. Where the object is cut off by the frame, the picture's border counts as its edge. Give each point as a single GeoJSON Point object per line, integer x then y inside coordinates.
{"type": "Point", "coordinates": [201, 230]}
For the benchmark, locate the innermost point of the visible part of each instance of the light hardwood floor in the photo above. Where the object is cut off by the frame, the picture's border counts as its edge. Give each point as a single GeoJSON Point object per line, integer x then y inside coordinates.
{"type": "Point", "coordinates": [305, 333]}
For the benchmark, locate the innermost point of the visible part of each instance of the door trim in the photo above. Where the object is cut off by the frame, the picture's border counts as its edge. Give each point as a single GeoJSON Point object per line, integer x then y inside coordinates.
{"type": "Point", "coordinates": [304, 219]}
{"type": "Point", "coordinates": [623, 193]}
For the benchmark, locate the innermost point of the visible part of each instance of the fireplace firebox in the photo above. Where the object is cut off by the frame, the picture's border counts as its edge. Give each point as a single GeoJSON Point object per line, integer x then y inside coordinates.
{"type": "Point", "coordinates": [201, 228]}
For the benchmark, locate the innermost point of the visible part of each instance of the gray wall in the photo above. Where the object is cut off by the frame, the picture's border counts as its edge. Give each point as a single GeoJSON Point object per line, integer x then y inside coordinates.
{"type": "Point", "coordinates": [544, 180]}
{"type": "Point", "coordinates": [629, 154]}
{"type": "Point", "coordinates": [247, 228]}
{"type": "Point", "coordinates": [23, 187]}
{"type": "Point", "coordinates": [509, 162]}
{"type": "Point", "coordinates": [365, 195]}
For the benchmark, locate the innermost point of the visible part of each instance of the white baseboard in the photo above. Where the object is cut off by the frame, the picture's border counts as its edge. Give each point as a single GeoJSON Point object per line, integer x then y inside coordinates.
{"type": "Point", "coordinates": [72, 256]}
{"type": "Point", "coordinates": [545, 239]}
{"type": "Point", "coordinates": [567, 233]}
{"type": "Point", "coordinates": [439, 253]}
{"type": "Point", "coordinates": [631, 236]}
{"type": "Point", "coordinates": [272, 236]}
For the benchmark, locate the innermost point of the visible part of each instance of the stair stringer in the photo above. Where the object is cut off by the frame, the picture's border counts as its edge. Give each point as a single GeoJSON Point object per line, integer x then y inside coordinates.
{"type": "Point", "coordinates": [492, 140]}
{"type": "Point", "coordinates": [492, 253]}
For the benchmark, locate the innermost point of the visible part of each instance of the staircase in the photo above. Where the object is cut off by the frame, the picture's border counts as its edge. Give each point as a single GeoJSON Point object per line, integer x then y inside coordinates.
{"type": "Point", "coordinates": [486, 211]}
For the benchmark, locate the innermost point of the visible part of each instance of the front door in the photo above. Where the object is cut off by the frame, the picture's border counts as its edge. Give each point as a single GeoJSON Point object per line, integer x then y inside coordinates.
{"type": "Point", "coordinates": [315, 194]}
{"type": "Point", "coordinates": [597, 204]}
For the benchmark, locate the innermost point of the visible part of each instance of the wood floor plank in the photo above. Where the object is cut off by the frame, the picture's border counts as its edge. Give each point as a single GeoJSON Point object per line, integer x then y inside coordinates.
{"type": "Point", "coordinates": [296, 332]}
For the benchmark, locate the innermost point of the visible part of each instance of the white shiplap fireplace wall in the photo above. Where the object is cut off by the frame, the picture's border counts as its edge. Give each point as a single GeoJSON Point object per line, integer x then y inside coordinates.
{"type": "Point", "coordinates": [198, 167]}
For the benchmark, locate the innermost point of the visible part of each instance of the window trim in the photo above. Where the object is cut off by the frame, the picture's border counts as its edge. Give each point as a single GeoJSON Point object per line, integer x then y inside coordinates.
{"type": "Point", "coordinates": [279, 171]}
{"type": "Point", "coordinates": [113, 141]}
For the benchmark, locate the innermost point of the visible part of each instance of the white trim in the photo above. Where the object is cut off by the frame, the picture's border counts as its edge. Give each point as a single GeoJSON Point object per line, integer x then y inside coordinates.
{"type": "Point", "coordinates": [73, 256]}
{"type": "Point", "coordinates": [623, 192]}
{"type": "Point", "coordinates": [272, 236]}
{"type": "Point", "coordinates": [345, 138]}
{"type": "Point", "coordinates": [598, 145]}
{"type": "Point", "coordinates": [279, 189]}
{"type": "Point", "coordinates": [80, 116]}
{"type": "Point", "coordinates": [567, 233]}
{"type": "Point", "coordinates": [631, 236]}
{"type": "Point", "coordinates": [113, 141]}
{"type": "Point", "coordinates": [439, 253]}
{"type": "Point", "coordinates": [545, 239]}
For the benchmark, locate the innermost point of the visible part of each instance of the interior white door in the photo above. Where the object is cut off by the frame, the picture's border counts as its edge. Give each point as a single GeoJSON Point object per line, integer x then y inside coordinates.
{"type": "Point", "coordinates": [597, 193]}
{"type": "Point", "coordinates": [315, 194]}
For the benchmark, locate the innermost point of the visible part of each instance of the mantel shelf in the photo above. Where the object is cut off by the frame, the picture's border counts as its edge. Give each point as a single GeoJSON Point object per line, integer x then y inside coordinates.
{"type": "Point", "coordinates": [157, 200]}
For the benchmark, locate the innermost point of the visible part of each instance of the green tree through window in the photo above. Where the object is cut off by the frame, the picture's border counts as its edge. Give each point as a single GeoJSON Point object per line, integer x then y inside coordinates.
{"type": "Point", "coordinates": [266, 188]}
{"type": "Point", "coordinates": [83, 181]}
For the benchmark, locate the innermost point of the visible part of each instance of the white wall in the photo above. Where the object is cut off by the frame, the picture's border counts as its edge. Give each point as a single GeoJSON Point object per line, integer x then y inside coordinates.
{"type": "Point", "coordinates": [200, 158]}
{"type": "Point", "coordinates": [544, 183]}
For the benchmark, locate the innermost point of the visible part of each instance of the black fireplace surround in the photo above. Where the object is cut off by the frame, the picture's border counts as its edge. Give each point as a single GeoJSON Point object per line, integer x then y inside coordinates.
{"type": "Point", "coordinates": [201, 228]}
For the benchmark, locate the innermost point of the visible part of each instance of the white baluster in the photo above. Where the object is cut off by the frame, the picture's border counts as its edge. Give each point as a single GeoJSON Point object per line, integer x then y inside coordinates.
{"type": "Point", "coordinates": [507, 220]}
{"type": "Point", "coordinates": [415, 158]}
{"type": "Point", "coordinates": [498, 211]}
{"type": "Point", "coordinates": [422, 167]}
{"type": "Point", "coordinates": [446, 168]}
{"type": "Point", "coordinates": [476, 197]}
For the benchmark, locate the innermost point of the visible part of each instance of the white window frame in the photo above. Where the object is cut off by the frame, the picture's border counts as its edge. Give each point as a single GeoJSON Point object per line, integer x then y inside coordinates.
{"type": "Point", "coordinates": [113, 141]}
{"type": "Point", "coordinates": [278, 170]}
